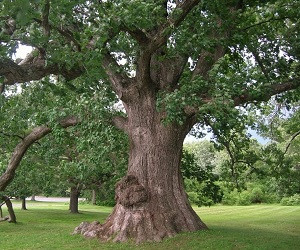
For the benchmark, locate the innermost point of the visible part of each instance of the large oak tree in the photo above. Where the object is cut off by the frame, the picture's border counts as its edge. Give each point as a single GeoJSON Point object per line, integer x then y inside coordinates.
{"type": "Point", "coordinates": [173, 64]}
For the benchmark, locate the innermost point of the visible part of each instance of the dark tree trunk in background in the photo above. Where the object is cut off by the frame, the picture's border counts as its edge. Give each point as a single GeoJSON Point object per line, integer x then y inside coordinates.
{"type": "Point", "coordinates": [33, 198]}
{"type": "Point", "coordinates": [74, 195]}
{"type": "Point", "coordinates": [151, 201]}
{"type": "Point", "coordinates": [94, 197]}
{"type": "Point", "coordinates": [1, 212]}
{"type": "Point", "coordinates": [23, 203]}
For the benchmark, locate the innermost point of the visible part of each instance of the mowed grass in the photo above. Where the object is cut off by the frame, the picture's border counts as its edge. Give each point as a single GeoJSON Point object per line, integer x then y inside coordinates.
{"type": "Point", "coordinates": [49, 226]}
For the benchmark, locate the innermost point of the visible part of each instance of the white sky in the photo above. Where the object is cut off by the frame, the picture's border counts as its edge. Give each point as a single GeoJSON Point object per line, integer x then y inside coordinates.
{"type": "Point", "coordinates": [22, 51]}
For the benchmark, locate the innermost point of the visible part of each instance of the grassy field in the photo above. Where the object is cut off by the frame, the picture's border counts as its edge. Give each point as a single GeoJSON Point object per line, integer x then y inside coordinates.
{"type": "Point", "coordinates": [49, 226]}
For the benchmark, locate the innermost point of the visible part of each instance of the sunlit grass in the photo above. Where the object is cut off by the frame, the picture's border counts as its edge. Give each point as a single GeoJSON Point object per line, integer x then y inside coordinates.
{"type": "Point", "coordinates": [49, 226]}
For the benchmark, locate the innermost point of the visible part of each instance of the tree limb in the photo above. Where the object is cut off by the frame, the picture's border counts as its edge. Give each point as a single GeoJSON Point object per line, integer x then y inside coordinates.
{"type": "Point", "coordinates": [160, 38]}
{"type": "Point", "coordinates": [260, 63]}
{"type": "Point", "coordinates": [36, 134]}
{"type": "Point", "coordinates": [166, 29]}
{"type": "Point", "coordinates": [268, 92]}
{"type": "Point", "coordinates": [11, 135]}
{"type": "Point", "coordinates": [206, 61]}
{"type": "Point", "coordinates": [34, 69]}
{"type": "Point", "coordinates": [118, 80]}
{"type": "Point", "coordinates": [45, 18]}
{"type": "Point", "coordinates": [140, 36]}
{"type": "Point", "coordinates": [64, 32]}
{"type": "Point", "coordinates": [290, 142]}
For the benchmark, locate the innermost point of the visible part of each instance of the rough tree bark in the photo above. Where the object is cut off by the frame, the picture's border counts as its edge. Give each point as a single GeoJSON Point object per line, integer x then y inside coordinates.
{"type": "Point", "coordinates": [151, 201]}
{"type": "Point", "coordinates": [74, 195]}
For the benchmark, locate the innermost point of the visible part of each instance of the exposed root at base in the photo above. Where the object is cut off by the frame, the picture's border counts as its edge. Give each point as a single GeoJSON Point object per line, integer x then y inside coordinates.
{"type": "Point", "coordinates": [137, 225]}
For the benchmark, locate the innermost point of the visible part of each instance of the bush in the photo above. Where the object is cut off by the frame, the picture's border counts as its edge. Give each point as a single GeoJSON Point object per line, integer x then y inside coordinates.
{"type": "Point", "coordinates": [272, 198]}
{"type": "Point", "coordinates": [238, 198]}
{"type": "Point", "coordinates": [257, 195]}
{"type": "Point", "coordinates": [291, 201]}
{"type": "Point", "coordinates": [193, 197]}
{"type": "Point", "coordinates": [244, 198]}
{"type": "Point", "coordinates": [205, 193]}
{"type": "Point", "coordinates": [230, 198]}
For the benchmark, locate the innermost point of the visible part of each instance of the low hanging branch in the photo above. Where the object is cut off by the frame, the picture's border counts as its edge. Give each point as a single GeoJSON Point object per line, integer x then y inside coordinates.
{"type": "Point", "coordinates": [20, 150]}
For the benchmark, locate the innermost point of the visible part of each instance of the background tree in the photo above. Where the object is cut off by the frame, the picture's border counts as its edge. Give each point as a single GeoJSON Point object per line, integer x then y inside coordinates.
{"type": "Point", "coordinates": [280, 158]}
{"type": "Point", "coordinates": [199, 179]}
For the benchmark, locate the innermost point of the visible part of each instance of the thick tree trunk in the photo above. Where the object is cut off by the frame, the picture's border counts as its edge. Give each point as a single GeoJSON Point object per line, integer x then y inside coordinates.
{"type": "Point", "coordinates": [74, 195]}
{"type": "Point", "coordinates": [151, 201]}
{"type": "Point", "coordinates": [33, 198]}
{"type": "Point", "coordinates": [23, 203]}
{"type": "Point", "coordinates": [94, 197]}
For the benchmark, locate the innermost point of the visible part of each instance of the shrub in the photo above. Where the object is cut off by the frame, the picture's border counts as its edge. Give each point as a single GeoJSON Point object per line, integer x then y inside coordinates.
{"type": "Point", "coordinates": [193, 197]}
{"type": "Point", "coordinates": [285, 201]}
{"type": "Point", "coordinates": [230, 198]}
{"type": "Point", "coordinates": [244, 198]}
{"type": "Point", "coordinates": [272, 198]}
{"type": "Point", "coordinates": [257, 195]}
{"type": "Point", "coordinates": [293, 200]}
{"type": "Point", "coordinates": [204, 193]}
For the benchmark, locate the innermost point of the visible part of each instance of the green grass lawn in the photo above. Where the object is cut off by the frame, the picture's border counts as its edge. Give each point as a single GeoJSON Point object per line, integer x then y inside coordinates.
{"type": "Point", "coordinates": [49, 226]}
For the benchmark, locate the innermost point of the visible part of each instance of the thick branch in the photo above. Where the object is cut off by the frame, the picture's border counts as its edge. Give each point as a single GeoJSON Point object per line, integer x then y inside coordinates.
{"type": "Point", "coordinates": [260, 63]}
{"type": "Point", "coordinates": [20, 150]}
{"type": "Point", "coordinates": [34, 69]}
{"type": "Point", "coordinates": [64, 32]}
{"type": "Point", "coordinates": [120, 122]}
{"type": "Point", "coordinates": [165, 30]}
{"type": "Point", "coordinates": [45, 18]}
{"type": "Point", "coordinates": [12, 217]}
{"type": "Point", "coordinates": [118, 80]}
{"type": "Point", "coordinates": [160, 39]}
{"type": "Point", "coordinates": [140, 36]}
{"type": "Point", "coordinates": [166, 73]}
{"type": "Point", "coordinates": [206, 61]}
{"type": "Point", "coordinates": [268, 92]}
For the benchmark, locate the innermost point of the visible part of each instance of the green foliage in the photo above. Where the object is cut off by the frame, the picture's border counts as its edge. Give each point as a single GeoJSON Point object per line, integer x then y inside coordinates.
{"type": "Point", "coordinates": [199, 182]}
{"type": "Point", "coordinates": [293, 200]}
{"type": "Point", "coordinates": [255, 193]}
{"type": "Point", "coordinates": [89, 153]}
